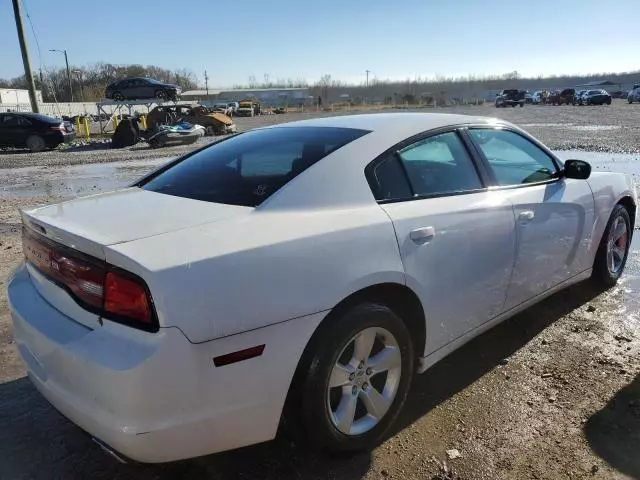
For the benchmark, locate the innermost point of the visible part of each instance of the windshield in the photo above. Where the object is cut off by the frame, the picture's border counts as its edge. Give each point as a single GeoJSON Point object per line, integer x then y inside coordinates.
{"type": "Point", "coordinates": [246, 169]}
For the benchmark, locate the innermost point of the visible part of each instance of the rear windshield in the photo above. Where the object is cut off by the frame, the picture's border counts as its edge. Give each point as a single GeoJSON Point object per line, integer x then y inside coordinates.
{"type": "Point", "coordinates": [248, 168]}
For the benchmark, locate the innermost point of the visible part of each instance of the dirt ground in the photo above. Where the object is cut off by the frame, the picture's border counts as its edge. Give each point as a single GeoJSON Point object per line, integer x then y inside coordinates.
{"type": "Point", "coordinates": [553, 393]}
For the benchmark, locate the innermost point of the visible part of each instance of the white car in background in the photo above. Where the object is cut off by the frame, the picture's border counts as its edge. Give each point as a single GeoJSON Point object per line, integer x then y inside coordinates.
{"type": "Point", "coordinates": [307, 271]}
{"type": "Point", "coordinates": [634, 94]}
{"type": "Point", "coordinates": [536, 97]}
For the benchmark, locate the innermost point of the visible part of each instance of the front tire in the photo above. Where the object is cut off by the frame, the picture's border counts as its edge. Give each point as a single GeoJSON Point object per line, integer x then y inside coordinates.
{"type": "Point", "coordinates": [613, 250]}
{"type": "Point", "coordinates": [356, 379]}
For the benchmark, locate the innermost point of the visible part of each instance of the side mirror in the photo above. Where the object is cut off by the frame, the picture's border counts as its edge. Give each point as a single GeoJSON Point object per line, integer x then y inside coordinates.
{"type": "Point", "coordinates": [577, 169]}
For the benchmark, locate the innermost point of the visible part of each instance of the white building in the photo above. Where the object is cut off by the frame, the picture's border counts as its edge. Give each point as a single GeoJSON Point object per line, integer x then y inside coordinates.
{"type": "Point", "coordinates": [13, 96]}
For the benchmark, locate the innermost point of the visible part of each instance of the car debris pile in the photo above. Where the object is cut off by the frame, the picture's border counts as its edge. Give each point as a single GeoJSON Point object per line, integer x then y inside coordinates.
{"type": "Point", "coordinates": [214, 122]}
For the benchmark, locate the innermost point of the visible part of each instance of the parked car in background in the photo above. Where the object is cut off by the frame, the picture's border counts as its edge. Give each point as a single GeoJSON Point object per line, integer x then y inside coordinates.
{"type": "Point", "coordinates": [300, 275]}
{"type": "Point", "coordinates": [34, 131]}
{"type": "Point", "coordinates": [141, 88]}
{"type": "Point", "coordinates": [580, 97]}
{"type": "Point", "coordinates": [618, 94]}
{"type": "Point", "coordinates": [510, 98]}
{"type": "Point", "coordinates": [597, 97]}
{"type": "Point", "coordinates": [634, 94]}
{"type": "Point", "coordinates": [528, 98]}
{"type": "Point", "coordinates": [562, 97]}
{"type": "Point", "coordinates": [536, 97]}
{"type": "Point", "coordinates": [222, 107]}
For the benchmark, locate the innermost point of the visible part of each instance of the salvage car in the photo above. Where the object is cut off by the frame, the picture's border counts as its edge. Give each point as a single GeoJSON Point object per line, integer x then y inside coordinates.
{"type": "Point", "coordinates": [34, 131]}
{"type": "Point", "coordinates": [300, 274]}
{"type": "Point", "coordinates": [141, 88]}
{"type": "Point", "coordinates": [596, 97]}
{"type": "Point", "coordinates": [634, 94]}
{"type": "Point", "coordinates": [510, 97]}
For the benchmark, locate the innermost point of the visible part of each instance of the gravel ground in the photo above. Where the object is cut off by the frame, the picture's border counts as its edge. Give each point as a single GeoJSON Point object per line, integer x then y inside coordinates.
{"type": "Point", "coordinates": [553, 393]}
{"type": "Point", "coordinates": [613, 129]}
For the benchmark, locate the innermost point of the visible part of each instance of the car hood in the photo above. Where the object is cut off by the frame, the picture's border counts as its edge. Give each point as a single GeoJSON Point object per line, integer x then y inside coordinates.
{"type": "Point", "coordinates": [91, 223]}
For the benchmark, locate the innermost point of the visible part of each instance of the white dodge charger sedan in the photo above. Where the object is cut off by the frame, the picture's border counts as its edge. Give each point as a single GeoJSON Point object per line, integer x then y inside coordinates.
{"type": "Point", "coordinates": [303, 271]}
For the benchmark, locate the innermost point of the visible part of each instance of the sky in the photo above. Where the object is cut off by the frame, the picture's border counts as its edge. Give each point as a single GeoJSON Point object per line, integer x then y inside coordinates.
{"type": "Point", "coordinates": [400, 39]}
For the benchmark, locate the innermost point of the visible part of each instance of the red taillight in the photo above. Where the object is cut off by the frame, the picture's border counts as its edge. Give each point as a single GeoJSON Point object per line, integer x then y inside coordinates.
{"type": "Point", "coordinates": [125, 296]}
{"type": "Point", "coordinates": [85, 280]}
{"type": "Point", "coordinates": [95, 285]}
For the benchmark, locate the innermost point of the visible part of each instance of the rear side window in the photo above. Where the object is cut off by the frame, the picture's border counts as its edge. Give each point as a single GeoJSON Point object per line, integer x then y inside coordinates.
{"type": "Point", "coordinates": [440, 165]}
{"type": "Point", "coordinates": [389, 181]}
{"type": "Point", "coordinates": [247, 169]}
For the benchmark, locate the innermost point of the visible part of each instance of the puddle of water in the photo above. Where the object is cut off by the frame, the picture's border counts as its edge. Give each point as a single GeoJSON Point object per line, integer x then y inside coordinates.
{"type": "Point", "coordinates": [628, 163]}
{"type": "Point", "coordinates": [74, 180]}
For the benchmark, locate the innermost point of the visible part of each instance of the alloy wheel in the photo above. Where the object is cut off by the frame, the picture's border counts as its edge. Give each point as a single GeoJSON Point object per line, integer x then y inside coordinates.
{"type": "Point", "coordinates": [617, 245]}
{"type": "Point", "coordinates": [364, 381]}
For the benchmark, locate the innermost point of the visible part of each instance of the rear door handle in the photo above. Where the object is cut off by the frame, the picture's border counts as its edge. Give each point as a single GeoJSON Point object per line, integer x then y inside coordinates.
{"type": "Point", "coordinates": [422, 235]}
{"type": "Point", "coordinates": [526, 215]}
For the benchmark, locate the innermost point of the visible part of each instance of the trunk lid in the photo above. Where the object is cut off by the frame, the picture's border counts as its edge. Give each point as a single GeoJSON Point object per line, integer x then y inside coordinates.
{"type": "Point", "coordinates": [90, 223]}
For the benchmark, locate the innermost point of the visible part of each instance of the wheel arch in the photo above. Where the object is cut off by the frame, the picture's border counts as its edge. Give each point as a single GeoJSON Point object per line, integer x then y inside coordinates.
{"type": "Point", "coordinates": [628, 203]}
{"type": "Point", "coordinates": [397, 297]}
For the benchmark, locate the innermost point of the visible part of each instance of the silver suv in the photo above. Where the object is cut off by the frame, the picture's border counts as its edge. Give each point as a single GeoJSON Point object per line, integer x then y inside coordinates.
{"type": "Point", "coordinates": [634, 94]}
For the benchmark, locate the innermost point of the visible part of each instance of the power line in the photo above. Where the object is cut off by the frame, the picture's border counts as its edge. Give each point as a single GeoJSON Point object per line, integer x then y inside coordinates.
{"type": "Point", "coordinates": [35, 36]}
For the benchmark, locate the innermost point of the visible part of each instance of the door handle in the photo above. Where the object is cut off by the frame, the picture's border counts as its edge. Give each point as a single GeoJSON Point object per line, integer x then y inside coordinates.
{"type": "Point", "coordinates": [422, 235]}
{"type": "Point", "coordinates": [526, 215]}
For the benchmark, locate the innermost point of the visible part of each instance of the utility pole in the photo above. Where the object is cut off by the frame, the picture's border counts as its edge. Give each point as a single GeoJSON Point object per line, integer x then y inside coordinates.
{"type": "Point", "coordinates": [25, 56]}
{"type": "Point", "coordinates": [206, 83]}
{"type": "Point", "coordinates": [368, 72]}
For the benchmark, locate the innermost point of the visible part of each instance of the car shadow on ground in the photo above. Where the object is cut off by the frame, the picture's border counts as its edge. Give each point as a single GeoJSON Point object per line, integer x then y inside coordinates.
{"type": "Point", "coordinates": [614, 432]}
{"type": "Point", "coordinates": [37, 442]}
{"type": "Point", "coordinates": [475, 359]}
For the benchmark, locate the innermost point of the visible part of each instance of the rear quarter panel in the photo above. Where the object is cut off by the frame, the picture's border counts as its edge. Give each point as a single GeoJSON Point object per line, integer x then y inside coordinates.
{"type": "Point", "coordinates": [224, 278]}
{"type": "Point", "coordinates": [608, 189]}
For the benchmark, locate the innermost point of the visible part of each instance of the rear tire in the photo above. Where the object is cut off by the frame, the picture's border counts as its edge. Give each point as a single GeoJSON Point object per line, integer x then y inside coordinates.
{"type": "Point", "coordinates": [35, 143]}
{"type": "Point", "coordinates": [613, 250]}
{"type": "Point", "coordinates": [344, 405]}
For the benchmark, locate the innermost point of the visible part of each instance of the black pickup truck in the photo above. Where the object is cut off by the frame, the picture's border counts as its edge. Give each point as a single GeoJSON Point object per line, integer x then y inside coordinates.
{"type": "Point", "coordinates": [510, 97]}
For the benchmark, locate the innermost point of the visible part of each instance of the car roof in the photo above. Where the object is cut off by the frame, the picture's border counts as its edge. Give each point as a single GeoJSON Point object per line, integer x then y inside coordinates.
{"type": "Point", "coordinates": [405, 123]}
{"type": "Point", "coordinates": [344, 167]}
{"type": "Point", "coordinates": [35, 116]}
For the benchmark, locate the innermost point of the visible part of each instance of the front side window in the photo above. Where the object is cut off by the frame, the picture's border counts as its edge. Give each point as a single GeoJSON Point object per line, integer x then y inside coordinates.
{"type": "Point", "coordinates": [513, 159]}
{"type": "Point", "coordinates": [438, 165]}
{"type": "Point", "coordinates": [248, 168]}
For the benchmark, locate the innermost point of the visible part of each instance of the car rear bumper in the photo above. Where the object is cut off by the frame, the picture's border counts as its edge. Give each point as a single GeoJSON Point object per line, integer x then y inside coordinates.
{"type": "Point", "coordinates": [56, 138]}
{"type": "Point", "coordinates": [156, 397]}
